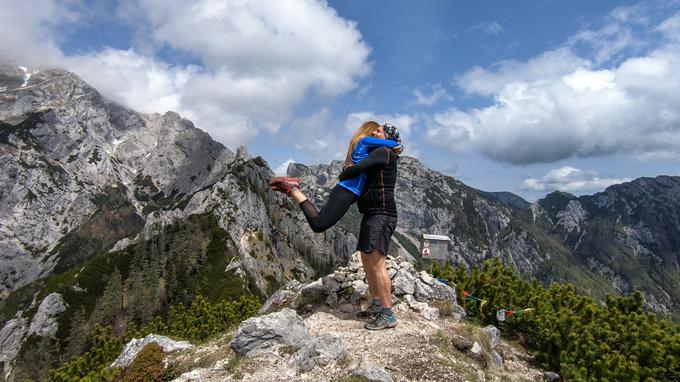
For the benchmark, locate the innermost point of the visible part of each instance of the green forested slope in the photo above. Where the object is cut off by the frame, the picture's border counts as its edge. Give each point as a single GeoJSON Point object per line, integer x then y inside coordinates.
{"type": "Point", "coordinates": [571, 333]}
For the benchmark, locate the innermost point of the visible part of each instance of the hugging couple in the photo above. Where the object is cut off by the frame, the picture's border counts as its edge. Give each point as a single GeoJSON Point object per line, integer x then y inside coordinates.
{"type": "Point", "coordinates": [368, 178]}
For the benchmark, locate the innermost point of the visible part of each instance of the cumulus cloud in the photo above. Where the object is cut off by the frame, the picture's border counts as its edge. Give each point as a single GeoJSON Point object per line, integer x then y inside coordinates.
{"type": "Point", "coordinates": [436, 94]}
{"type": "Point", "coordinates": [558, 105]}
{"type": "Point", "coordinates": [570, 179]}
{"type": "Point", "coordinates": [315, 135]}
{"type": "Point", "coordinates": [253, 63]}
{"type": "Point", "coordinates": [26, 29]}
{"type": "Point", "coordinates": [283, 168]}
{"type": "Point", "coordinates": [403, 122]}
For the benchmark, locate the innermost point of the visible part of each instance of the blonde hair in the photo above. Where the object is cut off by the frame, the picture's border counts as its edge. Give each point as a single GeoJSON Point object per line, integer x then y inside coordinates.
{"type": "Point", "coordinates": [364, 131]}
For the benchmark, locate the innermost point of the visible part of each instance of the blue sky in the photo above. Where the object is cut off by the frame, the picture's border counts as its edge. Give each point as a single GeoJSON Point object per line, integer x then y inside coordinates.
{"type": "Point", "coordinates": [526, 97]}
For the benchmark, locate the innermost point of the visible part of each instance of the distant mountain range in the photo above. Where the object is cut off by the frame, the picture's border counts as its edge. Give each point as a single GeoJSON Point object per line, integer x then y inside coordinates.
{"type": "Point", "coordinates": [92, 192]}
{"type": "Point", "coordinates": [623, 239]}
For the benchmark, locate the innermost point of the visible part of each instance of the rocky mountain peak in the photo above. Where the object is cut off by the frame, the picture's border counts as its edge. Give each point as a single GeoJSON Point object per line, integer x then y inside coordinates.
{"type": "Point", "coordinates": [63, 144]}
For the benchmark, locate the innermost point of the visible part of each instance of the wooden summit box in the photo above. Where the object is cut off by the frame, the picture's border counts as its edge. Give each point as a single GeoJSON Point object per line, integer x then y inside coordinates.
{"type": "Point", "coordinates": [434, 247]}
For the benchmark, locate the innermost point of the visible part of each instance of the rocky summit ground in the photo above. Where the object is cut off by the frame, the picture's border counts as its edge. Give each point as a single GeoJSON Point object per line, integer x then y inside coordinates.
{"type": "Point", "coordinates": [310, 332]}
{"type": "Point", "coordinates": [416, 350]}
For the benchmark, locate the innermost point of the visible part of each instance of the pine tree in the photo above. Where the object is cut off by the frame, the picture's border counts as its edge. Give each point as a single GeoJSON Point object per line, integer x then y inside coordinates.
{"type": "Point", "coordinates": [78, 334]}
{"type": "Point", "coordinates": [110, 305]}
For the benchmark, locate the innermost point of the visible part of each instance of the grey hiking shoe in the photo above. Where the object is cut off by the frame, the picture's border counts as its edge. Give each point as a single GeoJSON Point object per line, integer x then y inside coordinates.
{"type": "Point", "coordinates": [381, 322]}
{"type": "Point", "coordinates": [371, 312]}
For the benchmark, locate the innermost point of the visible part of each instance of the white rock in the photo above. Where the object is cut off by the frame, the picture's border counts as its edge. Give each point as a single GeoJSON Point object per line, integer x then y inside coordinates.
{"type": "Point", "coordinates": [284, 326]}
{"type": "Point", "coordinates": [430, 313]}
{"type": "Point", "coordinates": [371, 372]}
{"type": "Point", "coordinates": [360, 292]}
{"type": "Point", "coordinates": [321, 350]}
{"type": "Point", "coordinates": [476, 348]}
{"type": "Point", "coordinates": [339, 277]}
{"type": "Point", "coordinates": [136, 345]}
{"type": "Point", "coordinates": [497, 359]}
{"type": "Point", "coordinates": [403, 283]}
{"type": "Point", "coordinates": [11, 337]}
{"type": "Point", "coordinates": [493, 334]}
{"type": "Point", "coordinates": [282, 297]}
{"type": "Point", "coordinates": [427, 278]}
{"type": "Point", "coordinates": [45, 320]}
{"type": "Point", "coordinates": [422, 291]}
{"type": "Point", "coordinates": [330, 285]}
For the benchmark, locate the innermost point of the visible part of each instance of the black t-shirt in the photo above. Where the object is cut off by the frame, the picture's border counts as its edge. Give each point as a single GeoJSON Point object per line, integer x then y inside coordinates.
{"type": "Point", "coordinates": [380, 168]}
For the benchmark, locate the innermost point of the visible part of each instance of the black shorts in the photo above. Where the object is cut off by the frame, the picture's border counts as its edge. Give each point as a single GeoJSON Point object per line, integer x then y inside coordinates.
{"type": "Point", "coordinates": [376, 233]}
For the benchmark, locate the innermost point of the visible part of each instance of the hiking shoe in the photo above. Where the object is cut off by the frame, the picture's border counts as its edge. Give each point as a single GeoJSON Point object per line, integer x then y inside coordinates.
{"type": "Point", "coordinates": [371, 312]}
{"type": "Point", "coordinates": [285, 185]}
{"type": "Point", "coordinates": [381, 321]}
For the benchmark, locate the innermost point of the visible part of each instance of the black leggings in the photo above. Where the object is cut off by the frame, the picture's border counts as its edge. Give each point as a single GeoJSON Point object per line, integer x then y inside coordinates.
{"type": "Point", "coordinates": [337, 205]}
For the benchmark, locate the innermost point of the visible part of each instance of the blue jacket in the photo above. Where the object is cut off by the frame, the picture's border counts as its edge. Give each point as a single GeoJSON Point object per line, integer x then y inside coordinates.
{"type": "Point", "coordinates": [364, 147]}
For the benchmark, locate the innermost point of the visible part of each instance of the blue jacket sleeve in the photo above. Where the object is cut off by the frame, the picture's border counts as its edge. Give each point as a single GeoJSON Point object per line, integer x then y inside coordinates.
{"type": "Point", "coordinates": [373, 143]}
{"type": "Point", "coordinates": [379, 157]}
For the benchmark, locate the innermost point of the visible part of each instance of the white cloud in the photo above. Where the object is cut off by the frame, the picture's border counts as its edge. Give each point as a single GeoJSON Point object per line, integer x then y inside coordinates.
{"type": "Point", "coordinates": [403, 122]}
{"type": "Point", "coordinates": [486, 27]}
{"type": "Point", "coordinates": [541, 68]}
{"type": "Point", "coordinates": [559, 105]}
{"type": "Point", "coordinates": [283, 168]}
{"type": "Point", "coordinates": [317, 136]}
{"type": "Point", "coordinates": [493, 27]}
{"type": "Point", "coordinates": [618, 34]}
{"type": "Point", "coordinates": [26, 29]}
{"type": "Point", "coordinates": [437, 93]}
{"type": "Point", "coordinates": [670, 28]}
{"type": "Point", "coordinates": [570, 179]}
{"type": "Point", "coordinates": [256, 62]}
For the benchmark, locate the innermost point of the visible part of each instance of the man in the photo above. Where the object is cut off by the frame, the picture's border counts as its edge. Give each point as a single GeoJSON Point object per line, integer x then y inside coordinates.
{"type": "Point", "coordinates": [378, 206]}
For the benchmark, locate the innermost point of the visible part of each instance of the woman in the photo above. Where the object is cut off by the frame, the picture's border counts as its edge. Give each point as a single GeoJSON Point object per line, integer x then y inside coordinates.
{"type": "Point", "coordinates": [378, 206]}
{"type": "Point", "coordinates": [367, 138]}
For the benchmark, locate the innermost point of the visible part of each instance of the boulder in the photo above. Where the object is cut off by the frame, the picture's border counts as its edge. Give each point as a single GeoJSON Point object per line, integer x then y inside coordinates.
{"type": "Point", "coordinates": [45, 320]}
{"type": "Point", "coordinates": [311, 294]}
{"type": "Point", "coordinates": [360, 292]}
{"type": "Point", "coordinates": [136, 345]}
{"type": "Point", "coordinates": [477, 353]}
{"type": "Point", "coordinates": [550, 376]}
{"type": "Point", "coordinates": [403, 282]}
{"type": "Point", "coordinates": [284, 327]}
{"type": "Point", "coordinates": [284, 297]}
{"type": "Point", "coordinates": [339, 277]}
{"type": "Point", "coordinates": [496, 359]}
{"type": "Point", "coordinates": [427, 278]}
{"type": "Point", "coordinates": [406, 266]}
{"type": "Point", "coordinates": [321, 350]}
{"type": "Point", "coordinates": [371, 372]}
{"type": "Point", "coordinates": [477, 348]}
{"type": "Point", "coordinates": [330, 285]}
{"type": "Point", "coordinates": [441, 291]}
{"type": "Point", "coordinates": [493, 334]}
{"type": "Point", "coordinates": [422, 291]}
{"type": "Point", "coordinates": [430, 313]}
